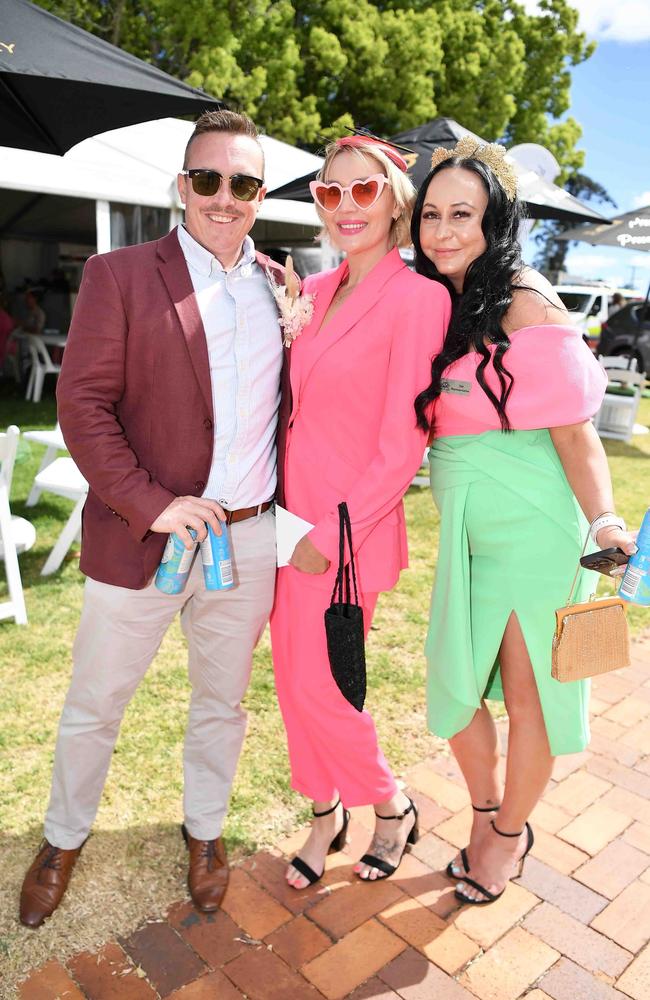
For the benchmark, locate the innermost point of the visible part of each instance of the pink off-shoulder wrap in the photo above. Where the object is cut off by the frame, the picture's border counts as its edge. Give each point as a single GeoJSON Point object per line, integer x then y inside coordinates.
{"type": "Point", "coordinates": [557, 381]}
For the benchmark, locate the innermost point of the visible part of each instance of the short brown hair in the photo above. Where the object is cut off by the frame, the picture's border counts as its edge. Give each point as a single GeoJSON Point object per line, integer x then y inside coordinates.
{"type": "Point", "coordinates": [223, 120]}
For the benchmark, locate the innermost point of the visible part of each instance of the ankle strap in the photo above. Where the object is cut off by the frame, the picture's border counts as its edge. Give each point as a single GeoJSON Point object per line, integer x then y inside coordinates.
{"type": "Point", "coordinates": [410, 807]}
{"type": "Point", "coordinates": [327, 811]}
{"type": "Point", "coordinates": [485, 809]}
{"type": "Point", "coordinates": [502, 834]}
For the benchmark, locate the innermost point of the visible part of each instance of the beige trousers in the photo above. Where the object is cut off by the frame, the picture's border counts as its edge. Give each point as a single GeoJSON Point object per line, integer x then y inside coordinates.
{"type": "Point", "coordinates": [119, 633]}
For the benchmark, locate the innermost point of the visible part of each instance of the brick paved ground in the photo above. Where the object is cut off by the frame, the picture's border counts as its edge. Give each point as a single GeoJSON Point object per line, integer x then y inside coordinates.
{"type": "Point", "coordinates": [576, 926]}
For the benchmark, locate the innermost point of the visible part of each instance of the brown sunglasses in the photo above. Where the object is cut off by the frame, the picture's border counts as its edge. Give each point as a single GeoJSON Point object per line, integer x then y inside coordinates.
{"type": "Point", "coordinates": [207, 183]}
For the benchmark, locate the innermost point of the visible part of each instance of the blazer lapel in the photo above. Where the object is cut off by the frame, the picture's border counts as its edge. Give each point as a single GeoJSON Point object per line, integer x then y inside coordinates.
{"type": "Point", "coordinates": [174, 272]}
{"type": "Point", "coordinates": [351, 312]}
{"type": "Point", "coordinates": [302, 357]}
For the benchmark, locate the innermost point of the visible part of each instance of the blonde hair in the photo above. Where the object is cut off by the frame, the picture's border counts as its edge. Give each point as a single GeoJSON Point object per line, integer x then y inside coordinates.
{"type": "Point", "coordinates": [400, 185]}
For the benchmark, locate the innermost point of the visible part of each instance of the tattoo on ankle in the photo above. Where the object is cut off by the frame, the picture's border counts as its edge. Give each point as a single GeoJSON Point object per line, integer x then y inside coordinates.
{"type": "Point", "coordinates": [383, 848]}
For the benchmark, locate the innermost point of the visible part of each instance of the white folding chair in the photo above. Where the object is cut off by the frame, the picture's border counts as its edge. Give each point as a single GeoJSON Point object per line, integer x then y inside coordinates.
{"type": "Point", "coordinates": [617, 361]}
{"type": "Point", "coordinates": [54, 443]}
{"type": "Point", "coordinates": [617, 414]}
{"type": "Point", "coordinates": [62, 477]}
{"type": "Point", "coordinates": [16, 534]}
{"type": "Point", "coordinates": [41, 364]}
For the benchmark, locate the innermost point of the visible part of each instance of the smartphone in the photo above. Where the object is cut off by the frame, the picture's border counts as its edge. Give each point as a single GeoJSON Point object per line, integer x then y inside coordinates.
{"type": "Point", "coordinates": [605, 561]}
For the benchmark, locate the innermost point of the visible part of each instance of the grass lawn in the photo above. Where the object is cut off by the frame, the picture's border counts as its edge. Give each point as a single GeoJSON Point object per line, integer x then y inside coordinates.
{"type": "Point", "coordinates": [134, 864]}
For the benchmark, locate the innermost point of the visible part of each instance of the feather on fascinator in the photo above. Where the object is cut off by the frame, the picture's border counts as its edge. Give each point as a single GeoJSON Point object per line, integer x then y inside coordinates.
{"type": "Point", "coordinates": [362, 138]}
{"type": "Point", "coordinates": [489, 153]}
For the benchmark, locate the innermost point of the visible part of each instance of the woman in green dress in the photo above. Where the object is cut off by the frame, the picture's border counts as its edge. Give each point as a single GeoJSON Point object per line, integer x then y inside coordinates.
{"type": "Point", "coordinates": [518, 474]}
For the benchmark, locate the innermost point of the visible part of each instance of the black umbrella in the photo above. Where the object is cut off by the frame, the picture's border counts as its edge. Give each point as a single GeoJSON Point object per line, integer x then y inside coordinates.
{"type": "Point", "coordinates": [59, 84]}
{"type": "Point", "coordinates": [543, 200]}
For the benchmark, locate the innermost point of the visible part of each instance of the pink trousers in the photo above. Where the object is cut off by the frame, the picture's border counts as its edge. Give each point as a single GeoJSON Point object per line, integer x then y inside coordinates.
{"type": "Point", "coordinates": [333, 748]}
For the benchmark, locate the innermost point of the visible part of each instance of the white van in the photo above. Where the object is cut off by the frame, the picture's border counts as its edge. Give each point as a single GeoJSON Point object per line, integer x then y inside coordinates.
{"type": "Point", "coordinates": [590, 305]}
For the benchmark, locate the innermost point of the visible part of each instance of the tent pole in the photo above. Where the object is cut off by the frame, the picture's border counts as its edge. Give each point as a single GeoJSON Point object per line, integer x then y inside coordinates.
{"type": "Point", "coordinates": [103, 226]}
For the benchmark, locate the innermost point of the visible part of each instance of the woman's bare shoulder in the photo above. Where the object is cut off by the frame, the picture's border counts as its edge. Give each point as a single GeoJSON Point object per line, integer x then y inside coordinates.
{"type": "Point", "coordinates": [534, 303]}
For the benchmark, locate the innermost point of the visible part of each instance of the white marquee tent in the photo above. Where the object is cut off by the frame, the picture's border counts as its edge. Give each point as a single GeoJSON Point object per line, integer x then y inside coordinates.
{"type": "Point", "coordinates": [118, 183]}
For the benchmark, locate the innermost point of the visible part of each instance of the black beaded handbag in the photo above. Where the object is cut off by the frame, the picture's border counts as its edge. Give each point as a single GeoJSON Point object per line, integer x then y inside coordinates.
{"type": "Point", "coordinates": [344, 625]}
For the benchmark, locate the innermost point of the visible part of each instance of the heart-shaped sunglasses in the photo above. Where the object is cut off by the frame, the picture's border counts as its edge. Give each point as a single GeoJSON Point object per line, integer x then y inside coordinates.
{"type": "Point", "coordinates": [364, 193]}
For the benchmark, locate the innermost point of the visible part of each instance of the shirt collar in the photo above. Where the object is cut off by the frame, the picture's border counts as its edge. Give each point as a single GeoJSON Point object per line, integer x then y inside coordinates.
{"type": "Point", "coordinates": [201, 260]}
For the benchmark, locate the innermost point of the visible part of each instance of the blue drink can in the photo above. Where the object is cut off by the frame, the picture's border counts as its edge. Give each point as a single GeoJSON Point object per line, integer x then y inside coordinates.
{"type": "Point", "coordinates": [635, 586]}
{"type": "Point", "coordinates": [175, 565]}
{"type": "Point", "coordinates": [217, 564]}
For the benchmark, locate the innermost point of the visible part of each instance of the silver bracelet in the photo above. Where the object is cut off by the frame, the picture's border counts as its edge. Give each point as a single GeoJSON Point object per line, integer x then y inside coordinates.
{"type": "Point", "coordinates": [607, 520]}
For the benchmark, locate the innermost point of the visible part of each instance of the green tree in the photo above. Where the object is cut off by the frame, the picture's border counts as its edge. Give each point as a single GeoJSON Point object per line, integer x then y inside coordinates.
{"type": "Point", "coordinates": [303, 69]}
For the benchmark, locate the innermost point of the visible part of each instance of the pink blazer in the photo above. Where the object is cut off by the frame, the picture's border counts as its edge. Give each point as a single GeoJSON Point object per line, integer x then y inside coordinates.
{"type": "Point", "coordinates": [135, 402]}
{"type": "Point", "coordinates": [352, 434]}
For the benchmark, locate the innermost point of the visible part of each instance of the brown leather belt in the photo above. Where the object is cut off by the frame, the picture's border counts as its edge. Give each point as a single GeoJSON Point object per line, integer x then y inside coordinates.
{"type": "Point", "coordinates": [232, 516]}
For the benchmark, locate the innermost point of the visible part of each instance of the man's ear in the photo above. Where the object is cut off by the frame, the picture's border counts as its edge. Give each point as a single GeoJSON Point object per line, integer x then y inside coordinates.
{"type": "Point", "coordinates": [181, 184]}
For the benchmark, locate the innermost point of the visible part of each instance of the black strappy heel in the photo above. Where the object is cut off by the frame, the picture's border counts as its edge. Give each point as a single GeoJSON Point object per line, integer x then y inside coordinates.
{"type": "Point", "coordinates": [491, 897]}
{"type": "Point", "coordinates": [385, 866]}
{"type": "Point", "coordinates": [337, 844]}
{"type": "Point", "coordinates": [449, 870]}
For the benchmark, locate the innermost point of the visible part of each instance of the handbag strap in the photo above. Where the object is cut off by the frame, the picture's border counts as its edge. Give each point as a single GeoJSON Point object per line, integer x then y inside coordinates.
{"type": "Point", "coordinates": [579, 567]}
{"type": "Point", "coordinates": [343, 572]}
{"type": "Point", "coordinates": [338, 582]}
{"type": "Point", "coordinates": [348, 529]}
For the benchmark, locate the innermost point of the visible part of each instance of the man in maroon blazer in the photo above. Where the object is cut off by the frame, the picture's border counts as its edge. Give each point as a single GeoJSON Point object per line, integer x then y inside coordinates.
{"type": "Point", "coordinates": [168, 400]}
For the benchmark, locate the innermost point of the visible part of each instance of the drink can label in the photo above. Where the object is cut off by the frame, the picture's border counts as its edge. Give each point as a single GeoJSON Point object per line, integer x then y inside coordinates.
{"type": "Point", "coordinates": [635, 585]}
{"type": "Point", "coordinates": [217, 564]}
{"type": "Point", "coordinates": [225, 572]}
{"type": "Point", "coordinates": [206, 552]}
{"type": "Point", "coordinates": [175, 565]}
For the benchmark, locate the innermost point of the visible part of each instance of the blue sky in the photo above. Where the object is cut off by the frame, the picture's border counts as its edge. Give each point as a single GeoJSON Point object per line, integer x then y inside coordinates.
{"type": "Point", "coordinates": [610, 98]}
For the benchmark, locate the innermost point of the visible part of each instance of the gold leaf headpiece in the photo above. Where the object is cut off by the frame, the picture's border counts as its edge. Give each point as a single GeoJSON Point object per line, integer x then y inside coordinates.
{"type": "Point", "coordinates": [489, 153]}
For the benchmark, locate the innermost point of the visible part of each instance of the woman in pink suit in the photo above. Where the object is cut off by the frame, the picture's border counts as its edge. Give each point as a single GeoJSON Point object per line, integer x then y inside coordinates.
{"type": "Point", "coordinates": [355, 371]}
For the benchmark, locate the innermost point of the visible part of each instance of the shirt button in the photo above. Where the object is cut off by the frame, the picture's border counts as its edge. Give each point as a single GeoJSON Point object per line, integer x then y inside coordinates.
{"type": "Point", "coordinates": [207, 423]}
{"type": "Point", "coordinates": [199, 485]}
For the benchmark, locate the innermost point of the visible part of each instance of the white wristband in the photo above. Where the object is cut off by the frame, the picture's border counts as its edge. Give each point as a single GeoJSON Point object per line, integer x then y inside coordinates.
{"type": "Point", "coordinates": [605, 521]}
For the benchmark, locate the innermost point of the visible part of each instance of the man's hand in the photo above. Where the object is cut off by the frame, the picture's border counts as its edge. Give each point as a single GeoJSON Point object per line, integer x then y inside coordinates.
{"type": "Point", "coordinates": [190, 512]}
{"type": "Point", "coordinates": [307, 558]}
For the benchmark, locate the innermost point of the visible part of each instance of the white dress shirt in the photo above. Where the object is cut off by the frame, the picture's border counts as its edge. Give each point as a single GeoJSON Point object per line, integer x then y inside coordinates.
{"type": "Point", "coordinates": [244, 340]}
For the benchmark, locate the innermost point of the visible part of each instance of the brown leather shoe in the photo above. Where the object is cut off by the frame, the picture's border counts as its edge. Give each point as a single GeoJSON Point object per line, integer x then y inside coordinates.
{"type": "Point", "coordinates": [45, 883]}
{"type": "Point", "coordinates": [208, 873]}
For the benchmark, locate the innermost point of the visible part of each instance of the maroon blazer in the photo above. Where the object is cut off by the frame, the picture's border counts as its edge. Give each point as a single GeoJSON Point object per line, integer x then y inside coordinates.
{"type": "Point", "coordinates": [135, 402]}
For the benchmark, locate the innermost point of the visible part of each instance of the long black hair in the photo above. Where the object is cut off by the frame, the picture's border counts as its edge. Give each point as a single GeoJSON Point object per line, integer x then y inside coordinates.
{"type": "Point", "coordinates": [477, 313]}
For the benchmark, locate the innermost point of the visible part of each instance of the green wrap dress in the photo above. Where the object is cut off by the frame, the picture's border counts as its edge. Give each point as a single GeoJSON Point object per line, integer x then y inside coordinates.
{"type": "Point", "coordinates": [511, 529]}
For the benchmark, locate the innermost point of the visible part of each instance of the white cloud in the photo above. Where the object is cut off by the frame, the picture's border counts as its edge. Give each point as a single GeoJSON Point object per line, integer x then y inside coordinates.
{"type": "Point", "coordinates": [625, 21]}
{"type": "Point", "coordinates": [641, 200]}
